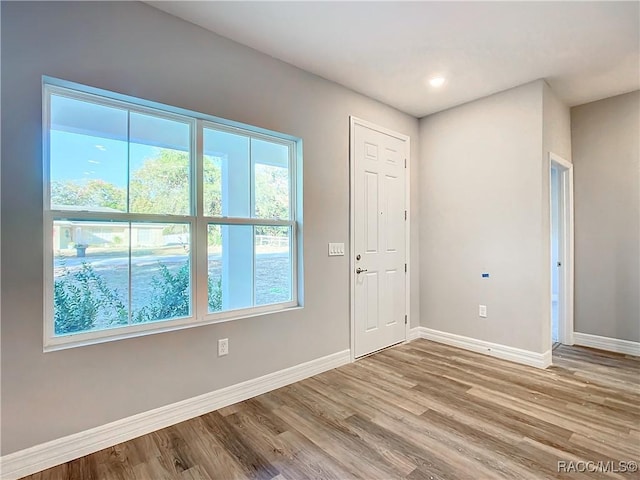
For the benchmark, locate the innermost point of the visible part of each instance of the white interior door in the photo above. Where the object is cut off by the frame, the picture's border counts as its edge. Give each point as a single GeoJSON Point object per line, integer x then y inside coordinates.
{"type": "Point", "coordinates": [379, 239]}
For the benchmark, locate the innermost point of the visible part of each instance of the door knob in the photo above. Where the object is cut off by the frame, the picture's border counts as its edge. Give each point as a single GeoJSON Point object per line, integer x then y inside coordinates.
{"type": "Point", "coordinates": [360, 270]}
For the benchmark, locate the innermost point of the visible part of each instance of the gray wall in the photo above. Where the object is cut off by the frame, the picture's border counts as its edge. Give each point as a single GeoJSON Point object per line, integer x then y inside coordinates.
{"type": "Point", "coordinates": [556, 128]}
{"type": "Point", "coordinates": [556, 138]}
{"type": "Point", "coordinates": [605, 137]}
{"type": "Point", "coordinates": [482, 179]}
{"type": "Point", "coordinates": [134, 49]}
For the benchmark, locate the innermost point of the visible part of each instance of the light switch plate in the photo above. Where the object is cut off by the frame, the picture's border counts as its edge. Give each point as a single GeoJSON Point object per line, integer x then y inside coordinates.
{"type": "Point", "coordinates": [336, 249]}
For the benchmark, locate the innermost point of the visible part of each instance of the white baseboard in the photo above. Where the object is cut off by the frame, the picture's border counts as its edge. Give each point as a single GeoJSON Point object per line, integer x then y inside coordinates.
{"type": "Point", "coordinates": [607, 343]}
{"type": "Point", "coordinates": [62, 450]}
{"type": "Point", "coordinates": [504, 352]}
{"type": "Point", "coordinates": [414, 334]}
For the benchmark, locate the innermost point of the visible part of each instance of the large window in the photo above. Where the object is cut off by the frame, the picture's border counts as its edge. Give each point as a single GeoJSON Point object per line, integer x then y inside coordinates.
{"type": "Point", "coordinates": [158, 218]}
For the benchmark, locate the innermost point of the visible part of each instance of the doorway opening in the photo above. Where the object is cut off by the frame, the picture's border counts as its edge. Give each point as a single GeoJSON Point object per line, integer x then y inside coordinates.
{"type": "Point", "coordinates": [561, 253]}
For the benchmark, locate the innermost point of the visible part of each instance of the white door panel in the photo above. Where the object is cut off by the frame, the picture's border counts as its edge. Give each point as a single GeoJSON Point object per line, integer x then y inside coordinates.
{"type": "Point", "coordinates": [379, 239]}
{"type": "Point", "coordinates": [371, 212]}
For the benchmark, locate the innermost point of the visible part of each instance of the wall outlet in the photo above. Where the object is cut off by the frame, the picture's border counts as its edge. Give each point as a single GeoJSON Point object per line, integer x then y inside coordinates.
{"type": "Point", "coordinates": [223, 347]}
{"type": "Point", "coordinates": [482, 311]}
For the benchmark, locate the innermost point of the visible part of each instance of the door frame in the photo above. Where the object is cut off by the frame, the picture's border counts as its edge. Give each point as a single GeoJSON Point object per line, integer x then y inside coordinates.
{"type": "Point", "coordinates": [353, 121]}
{"type": "Point", "coordinates": [566, 247]}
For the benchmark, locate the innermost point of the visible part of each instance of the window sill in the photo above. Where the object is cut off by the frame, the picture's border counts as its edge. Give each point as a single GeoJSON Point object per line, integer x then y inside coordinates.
{"type": "Point", "coordinates": [104, 336]}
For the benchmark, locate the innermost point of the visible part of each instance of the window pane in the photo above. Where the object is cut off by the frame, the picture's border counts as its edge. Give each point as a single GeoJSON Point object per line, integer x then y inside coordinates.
{"type": "Point", "coordinates": [271, 171]}
{"type": "Point", "coordinates": [160, 271]}
{"type": "Point", "coordinates": [160, 165]}
{"type": "Point", "coordinates": [88, 156]}
{"type": "Point", "coordinates": [91, 275]}
{"type": "Point", "coordinates": [226, 174]}
{"type": "Point", "coordinates": [273, 265]}
{"type": "Point", "coordinates": [230, 252]}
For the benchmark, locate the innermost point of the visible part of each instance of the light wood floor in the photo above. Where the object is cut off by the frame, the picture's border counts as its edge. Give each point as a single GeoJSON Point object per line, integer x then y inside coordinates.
{"type": "Point", "coordinates": [415, 411]}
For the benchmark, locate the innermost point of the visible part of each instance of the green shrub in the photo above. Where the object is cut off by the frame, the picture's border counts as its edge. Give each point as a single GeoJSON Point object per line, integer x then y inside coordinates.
{"type": "Point", "coordinates": [171, 294]}
{"type": "Point", "coordinates": [170, 298]}
{"type": "Point", "coordinates": [82, 296]}
{"type": "Point", "coordinates": [215, 295]}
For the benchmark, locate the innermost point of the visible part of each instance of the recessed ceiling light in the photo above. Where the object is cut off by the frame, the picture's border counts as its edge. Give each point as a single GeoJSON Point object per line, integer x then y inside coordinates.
{"type": "Point", "coordinates": [436, 82]}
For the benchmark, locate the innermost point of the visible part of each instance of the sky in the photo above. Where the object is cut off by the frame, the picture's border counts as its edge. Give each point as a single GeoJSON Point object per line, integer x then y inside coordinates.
{"type": "Point", "coordinates": [84, 157]}
{"type": "Point", "coordinates": [90, 140]}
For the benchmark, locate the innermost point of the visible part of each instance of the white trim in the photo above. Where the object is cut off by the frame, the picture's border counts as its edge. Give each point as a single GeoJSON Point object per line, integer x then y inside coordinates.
{"type": "Point", "coordinates": [569, 259]}
{"type": "Point", "coordinates": [414, 334]}
{"type": "Point", "coordinates": [353, 121]}
{"type": "Point", "coordinates": [123, 217]}
{"type": "Point", "coordinates": [352, 238]}
{"type": "Point", "coordinates": [607, 343]}
{"type": "Point", "coordinates": [566, 253]}
{"type": "Point", "coordinates": [554, 157]}
{"type": "Point", "coordinates": [47, 241]}
{"type": "Point", "coordinates": [407, 233]}
{"type": "Point", "coordinates": [46, 455]}
{"type": "Point", "coordinates": [200, 265]}
{"type": "Point", "coordinates": [504, 352]}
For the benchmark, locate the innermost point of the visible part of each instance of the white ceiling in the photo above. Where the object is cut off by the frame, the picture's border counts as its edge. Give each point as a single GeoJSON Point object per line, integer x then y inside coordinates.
{"type": "Point", "coordinates": [387, 50]}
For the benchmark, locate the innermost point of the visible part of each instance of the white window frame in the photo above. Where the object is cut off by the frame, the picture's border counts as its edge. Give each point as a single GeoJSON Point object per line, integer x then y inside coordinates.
{"type": "Point", "coordinates": [198, 223]}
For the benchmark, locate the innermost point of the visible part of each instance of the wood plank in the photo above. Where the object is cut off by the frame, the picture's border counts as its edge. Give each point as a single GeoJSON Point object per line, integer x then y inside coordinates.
{"type": "Point", "coordinates": [416, 411]}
